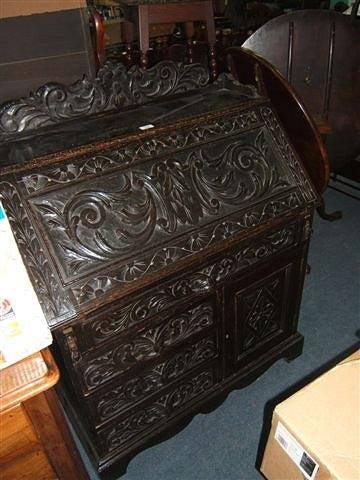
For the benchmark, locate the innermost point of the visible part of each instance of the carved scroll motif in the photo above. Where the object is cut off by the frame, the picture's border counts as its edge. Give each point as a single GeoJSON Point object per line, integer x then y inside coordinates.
{"type": "Point", "coordinates": [147, 345]}
{"type": "Point", "coordinates": [109, 219]}
{"type": "Point", "coordinates": [138, 151]}
{"type": "Point", "coordinates": [130, 272]}
{"type": "Point", "coordinates": [139, 310]}
{"type": "Point", "coordinates": [114, 87]}
{"type": "Point", "coordinates": [169, 296]}
{"type": "Point", "coordinates": [158, 412]}
{"type": "Point", "coordinates": [154, 379]}
{"type": "Point", "coordinates": [287, 152]}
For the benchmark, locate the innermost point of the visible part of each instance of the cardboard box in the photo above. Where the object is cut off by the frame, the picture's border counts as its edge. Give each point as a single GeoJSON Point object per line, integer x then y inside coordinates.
{"type": "Point", "coordinates": [315, 433]}
{"type": "Point", "coordinates": [16, 8]}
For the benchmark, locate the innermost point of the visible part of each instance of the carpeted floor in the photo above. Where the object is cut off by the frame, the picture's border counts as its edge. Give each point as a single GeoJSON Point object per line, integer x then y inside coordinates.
{"type": "Point", "coordinates": [224, 444]}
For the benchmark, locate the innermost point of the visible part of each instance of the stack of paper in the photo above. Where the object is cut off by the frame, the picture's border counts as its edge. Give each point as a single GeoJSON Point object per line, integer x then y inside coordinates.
{"type": "Point", "coordinates": [23, 328]}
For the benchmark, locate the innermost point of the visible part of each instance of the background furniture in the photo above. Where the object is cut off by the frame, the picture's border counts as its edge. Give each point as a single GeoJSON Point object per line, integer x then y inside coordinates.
{"type": "Point", "coordinates": [35, 439]}
{"type": "Point", "coordinates": [317, 52]}
{"type": "Point", "coordinates": [150, 12]}
{"type": "Point", "coordinates": [250, 68]}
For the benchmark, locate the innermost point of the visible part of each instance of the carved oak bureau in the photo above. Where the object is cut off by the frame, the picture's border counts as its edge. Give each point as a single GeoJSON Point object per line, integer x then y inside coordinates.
{"type": "Point", "coordinates": [167, 243]}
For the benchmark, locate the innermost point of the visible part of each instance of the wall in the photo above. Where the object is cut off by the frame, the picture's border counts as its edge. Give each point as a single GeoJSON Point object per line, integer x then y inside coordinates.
{"type": "Point", "coordinates": [42, 44]}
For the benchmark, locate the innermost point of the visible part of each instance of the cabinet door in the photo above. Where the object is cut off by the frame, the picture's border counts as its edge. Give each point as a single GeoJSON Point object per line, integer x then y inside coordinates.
{"type": "Point", "coordinates": [261, 310]}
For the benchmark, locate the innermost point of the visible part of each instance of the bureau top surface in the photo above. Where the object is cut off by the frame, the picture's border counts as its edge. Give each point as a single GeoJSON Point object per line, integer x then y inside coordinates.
{"type": "Point", "coordinates": [106, 126]}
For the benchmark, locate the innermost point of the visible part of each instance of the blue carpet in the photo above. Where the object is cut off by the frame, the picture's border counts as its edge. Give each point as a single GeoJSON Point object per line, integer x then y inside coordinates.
{"type": "Point", "coordinates": [223, 445]}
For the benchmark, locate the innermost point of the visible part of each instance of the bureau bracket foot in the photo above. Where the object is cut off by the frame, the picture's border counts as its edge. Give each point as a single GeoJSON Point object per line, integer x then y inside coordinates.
{"type": "Point", "coordinates": [295, 352]}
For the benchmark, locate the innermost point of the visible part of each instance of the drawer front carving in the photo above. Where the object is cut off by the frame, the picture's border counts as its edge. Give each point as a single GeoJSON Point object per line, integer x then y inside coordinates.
{"type": "Point", "coordinates": [169, 296]}
{"type": "Point", "coordinates": [180, 292]}
{"type": "Point", "coordinates": [151, 380]}
{"type": "Point", "coordinates": [156, 413]}
{"type": "Point", "coordinates": [146, 345]}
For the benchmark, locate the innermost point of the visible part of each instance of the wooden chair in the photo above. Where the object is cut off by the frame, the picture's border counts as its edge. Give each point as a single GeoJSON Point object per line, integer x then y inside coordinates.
{"type": "Point", "coordinates": [151, 12]}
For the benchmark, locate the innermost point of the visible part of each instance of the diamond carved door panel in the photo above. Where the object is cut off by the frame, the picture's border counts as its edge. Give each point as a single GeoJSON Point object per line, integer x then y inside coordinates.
{"type": "Point", "coordinates": [260, 313]}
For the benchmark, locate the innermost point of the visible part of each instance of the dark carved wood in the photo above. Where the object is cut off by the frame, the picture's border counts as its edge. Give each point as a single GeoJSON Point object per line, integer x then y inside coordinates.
{"type": "Point", "coordinates": [149, 344]}
{"type": "Point", "coordinates": [152, 379]}
{"type": "Point", "coordinates": [170, 295]}
{"type": "Point", "coordinates": [113, 87]}
{"type": "Point", "coordinates": [169, 262]}
{"type": "Point", "coordinates": [248, 67]}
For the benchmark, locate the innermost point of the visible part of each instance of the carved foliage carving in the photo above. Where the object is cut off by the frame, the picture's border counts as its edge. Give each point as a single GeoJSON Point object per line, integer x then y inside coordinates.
{"type": "Point", "coordinates": [107, 219]}
{"type": "Point", "coordinates": [154, 379]}
{"type": "Point", "coordinates": [139, 310]}
{"type": "Point", "coordinates": [287, 152]}
{"type": "Point", "coordinates": [113, 87]}
{"type": "Point", "coordinates": [203, 281]}
{"type": "Point", "coordinates": [158, 412]}
{"type": "Point", "coordinates": [49, 292]}
{"type": "Point", "coordinates": [137, 151]}
{"type": "Point", "coordinates": [149, 344]}
{"type": "Point", "coordinates": [99, 285]}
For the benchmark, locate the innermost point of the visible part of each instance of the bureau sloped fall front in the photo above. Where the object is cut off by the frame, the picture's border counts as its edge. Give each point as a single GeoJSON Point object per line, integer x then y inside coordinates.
{"type": "Point", "coordinates": [169, 260]}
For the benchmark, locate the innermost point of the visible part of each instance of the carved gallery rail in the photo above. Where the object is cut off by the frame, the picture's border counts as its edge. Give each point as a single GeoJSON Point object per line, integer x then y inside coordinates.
{"type": "Point", "coordinates": [169, 260]}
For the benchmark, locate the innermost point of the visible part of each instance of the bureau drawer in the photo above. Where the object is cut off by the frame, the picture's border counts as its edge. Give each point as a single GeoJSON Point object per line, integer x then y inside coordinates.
{"type": "Point", "coordinates": [131, 351]}
{"type": "Point", "coordinates": [125, 316]}
{"type": "Point", "coordinates": [129, 390]}
{"type": "Point", "coordinates": [176, 294]}
{"type": "Point", "coordinates": [156, 413]}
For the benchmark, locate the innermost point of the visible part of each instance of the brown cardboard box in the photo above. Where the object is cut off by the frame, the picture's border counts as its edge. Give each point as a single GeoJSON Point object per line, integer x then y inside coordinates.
{"type": "Point", "coordinates": [318, 428]}
{"type": "Point", "coordinates": [15, 8]}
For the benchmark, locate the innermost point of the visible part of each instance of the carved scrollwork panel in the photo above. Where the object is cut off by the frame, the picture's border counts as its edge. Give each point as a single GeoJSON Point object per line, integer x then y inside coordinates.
{"type": "Point", "coordinates": [297, 170]}
{"type": "Point", "coordinates": [153, 379]}
{"type": "Point", "coordinates": [109, 218]}
{"type": "Point", "coordinates": [114, 87]}
{"type": "Point", "coordinates": [149, 344]}
{"type": "Point", "coordinates": [164, 298]}
{"type": "Point", "coordinates": [157, 413]}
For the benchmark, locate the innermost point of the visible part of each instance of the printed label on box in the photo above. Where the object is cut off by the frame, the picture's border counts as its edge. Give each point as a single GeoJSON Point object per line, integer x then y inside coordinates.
{"type": "Point", "coordinates": [23, 327]}
{"type": "Point", "coordinates": [296, 452]}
